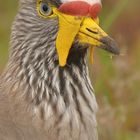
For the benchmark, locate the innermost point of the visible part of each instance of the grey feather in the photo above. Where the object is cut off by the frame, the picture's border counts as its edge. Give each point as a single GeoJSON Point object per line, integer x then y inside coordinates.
{"type": "Point", "coordinates": [38, 99]}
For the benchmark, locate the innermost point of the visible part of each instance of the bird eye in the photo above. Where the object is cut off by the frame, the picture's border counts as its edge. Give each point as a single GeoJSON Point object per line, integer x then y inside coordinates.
{"type": "Point", "coordinates": [45, 9]}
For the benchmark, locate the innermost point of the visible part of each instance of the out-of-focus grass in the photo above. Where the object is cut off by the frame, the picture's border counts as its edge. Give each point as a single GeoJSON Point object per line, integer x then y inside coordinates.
{"type": "Point", "coordinates": [116, 80]}
{"type": "Point", "coordinates": [7, 12]}
{"type": "Point", "coordinates": [112, 17]}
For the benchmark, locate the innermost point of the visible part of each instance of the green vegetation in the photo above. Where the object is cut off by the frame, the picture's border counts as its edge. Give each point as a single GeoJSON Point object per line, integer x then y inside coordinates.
{"type": "Point", "coordinates": [7, 12]}
{"type": "Point", "coordinates": [116, 80]}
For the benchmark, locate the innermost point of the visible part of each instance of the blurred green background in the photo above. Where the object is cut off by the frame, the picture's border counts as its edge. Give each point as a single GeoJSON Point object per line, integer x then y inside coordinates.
{"type": "Point", "coordinates": [116, 79]}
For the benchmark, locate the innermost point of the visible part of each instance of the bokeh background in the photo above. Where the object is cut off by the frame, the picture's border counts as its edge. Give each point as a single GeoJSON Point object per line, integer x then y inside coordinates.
{"type": "Point", "coordinates": [116, 79]}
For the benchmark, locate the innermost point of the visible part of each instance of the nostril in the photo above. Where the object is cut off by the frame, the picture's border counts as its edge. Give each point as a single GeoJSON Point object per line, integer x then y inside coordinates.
{"type": "Point", "coordinates": [94, 32]}
{"type": "Point", "coordinates": [95, 10]}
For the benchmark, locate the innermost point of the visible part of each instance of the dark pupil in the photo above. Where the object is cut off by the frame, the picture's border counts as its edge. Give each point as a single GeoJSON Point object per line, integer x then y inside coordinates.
{"type": "Point", "coordinates": [45, 8]}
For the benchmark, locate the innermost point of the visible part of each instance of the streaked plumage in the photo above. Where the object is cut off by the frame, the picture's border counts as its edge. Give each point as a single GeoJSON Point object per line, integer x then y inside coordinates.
{"type": "Point", "coordinates": [39, 100]}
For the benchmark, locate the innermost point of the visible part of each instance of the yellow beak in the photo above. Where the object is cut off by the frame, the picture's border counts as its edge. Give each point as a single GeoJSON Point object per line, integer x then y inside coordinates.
{"type": "Point", "coordinates": [86, 30]}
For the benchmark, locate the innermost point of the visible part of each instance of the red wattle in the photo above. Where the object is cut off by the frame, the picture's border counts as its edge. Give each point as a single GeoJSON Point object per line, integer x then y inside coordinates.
{"type": "Point", "coordinates": [95, 10]}
{"type": "Point", "coordinates": [79, 8]}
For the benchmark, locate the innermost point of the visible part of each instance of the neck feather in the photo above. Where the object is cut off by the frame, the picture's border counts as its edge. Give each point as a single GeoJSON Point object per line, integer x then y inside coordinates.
{"type": "Point", "coordinates": [56, 86]}
{"type": "Point", "coordinates": [57, 95]}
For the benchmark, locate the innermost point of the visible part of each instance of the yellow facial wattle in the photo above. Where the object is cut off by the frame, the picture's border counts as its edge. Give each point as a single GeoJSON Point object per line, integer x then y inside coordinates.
{"type": "Point", "coordinates": [68, 29]}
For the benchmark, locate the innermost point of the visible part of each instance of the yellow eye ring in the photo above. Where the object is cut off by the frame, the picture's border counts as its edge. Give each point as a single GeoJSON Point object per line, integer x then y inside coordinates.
{"type": "Point", "coordinates": [44, 9]}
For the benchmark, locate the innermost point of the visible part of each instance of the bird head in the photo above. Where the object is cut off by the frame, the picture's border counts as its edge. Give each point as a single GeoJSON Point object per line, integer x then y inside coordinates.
{"type": "Point", "coordinates": [48, 35]}
{"type": "Point", "coordinates": [59, 28]}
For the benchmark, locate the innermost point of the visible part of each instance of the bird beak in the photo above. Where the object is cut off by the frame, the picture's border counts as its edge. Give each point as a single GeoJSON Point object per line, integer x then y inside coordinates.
{"type": "Point", "coordinates": [90, 33]}
{"type": "Point", "coordinates": [86, 30]}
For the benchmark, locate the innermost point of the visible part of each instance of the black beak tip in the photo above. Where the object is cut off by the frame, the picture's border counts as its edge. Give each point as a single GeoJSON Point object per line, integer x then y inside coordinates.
{"type": "Point", "coordinates": [110, 45]}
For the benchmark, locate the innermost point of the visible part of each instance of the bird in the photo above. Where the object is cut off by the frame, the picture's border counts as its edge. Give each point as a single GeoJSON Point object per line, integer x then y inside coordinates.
{"type": "Point", "coordinates": [45, 88]}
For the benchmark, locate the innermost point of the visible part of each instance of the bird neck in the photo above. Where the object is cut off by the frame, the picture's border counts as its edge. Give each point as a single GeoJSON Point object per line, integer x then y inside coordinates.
{"type": "Point", "coordinates": [53, 86]}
